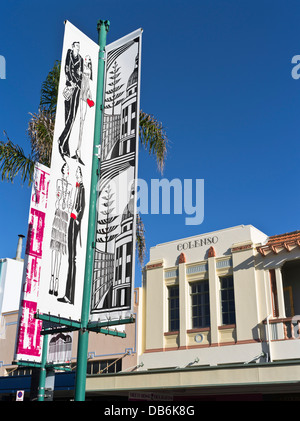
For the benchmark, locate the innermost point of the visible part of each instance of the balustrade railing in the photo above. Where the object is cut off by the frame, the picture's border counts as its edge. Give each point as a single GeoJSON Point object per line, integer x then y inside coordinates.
{"type": "Point", "coordinates": [283, 328]}
{"type": "Point", "coordinates": [291, 329]}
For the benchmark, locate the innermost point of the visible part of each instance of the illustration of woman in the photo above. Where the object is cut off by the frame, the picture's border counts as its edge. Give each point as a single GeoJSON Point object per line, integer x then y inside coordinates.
{"type": "Point", "coordinates": [59, 233]}
{"type": "Point", "coordinates": [85, 100]}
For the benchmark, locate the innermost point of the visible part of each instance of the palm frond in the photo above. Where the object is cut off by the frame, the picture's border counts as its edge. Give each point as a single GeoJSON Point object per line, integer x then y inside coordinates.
{"type": "Point", "coordinates": [140, 239]}
{"type": "Point", "coordinates": [13, 162]}
{"type": "Point", "coordinates": [40, 132]}
{"type": "Point", "coordinates": [154, 138]}
{"type": "Point", "coordinates": [49, 91]}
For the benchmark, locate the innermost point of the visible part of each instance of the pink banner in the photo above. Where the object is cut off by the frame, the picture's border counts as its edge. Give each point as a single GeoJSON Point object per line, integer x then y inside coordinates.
{"type": "Point", "coordinates": [29, 340]}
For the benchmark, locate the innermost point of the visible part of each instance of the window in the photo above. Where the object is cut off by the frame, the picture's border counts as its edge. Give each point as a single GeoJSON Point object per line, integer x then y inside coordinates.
{"type": "Point", "coordinates": [173, 308]}
{"type": "Point", "coordinates": [104, 366]}
{"type": "Point", "coordinates": [133, 124]}
{"type": "Point", "coordinates": [291, 287]}
{"type": "Point", "coordinates": [227, 300]}
{"type": "Point", "coordinates": [274, 296]}
{"type": "Point", "coordinates": [200, 304]}
{"type": "Point", "coordinates": [288, 301]}
{"type": "Point", "coordinates": [20, 371]}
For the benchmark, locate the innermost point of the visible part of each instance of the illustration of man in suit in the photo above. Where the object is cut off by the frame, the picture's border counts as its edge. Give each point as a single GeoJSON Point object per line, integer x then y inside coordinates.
{"type": "Point", "coordinates": [73, 71]}
{"type": "Point", "coordinates": [73, 232]}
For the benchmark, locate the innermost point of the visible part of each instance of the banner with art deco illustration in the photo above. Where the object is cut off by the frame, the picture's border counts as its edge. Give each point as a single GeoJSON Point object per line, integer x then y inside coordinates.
{"type": "Point", "coordinates": [29, 341]}
{"type": "Point", "coordinates": [66, 222]}
{"type": "Point", "coordinates": [113, 276]}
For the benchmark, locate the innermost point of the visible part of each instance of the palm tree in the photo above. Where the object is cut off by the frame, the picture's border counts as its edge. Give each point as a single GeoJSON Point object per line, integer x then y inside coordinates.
{"type": "Point", "coordinates": [40, 131]}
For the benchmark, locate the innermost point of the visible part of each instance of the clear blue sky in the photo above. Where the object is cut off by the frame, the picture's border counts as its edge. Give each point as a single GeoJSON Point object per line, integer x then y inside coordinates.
{"type": "Point", "coordinates": [216, 73]}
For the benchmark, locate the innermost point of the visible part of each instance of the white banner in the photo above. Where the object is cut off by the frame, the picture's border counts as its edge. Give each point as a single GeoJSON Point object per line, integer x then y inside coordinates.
{"type": "Point", "coordinates": [113, 278]}
{"type": "Point", "coordinates": [28, 340]}
{"type": "Point", "coordinates": [66, 224]}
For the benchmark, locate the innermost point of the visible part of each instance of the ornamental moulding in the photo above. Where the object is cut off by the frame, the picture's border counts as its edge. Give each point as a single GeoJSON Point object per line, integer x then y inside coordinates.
{"type": "Point", "coordinates": [241, 248]}
{"type": "Point", "coordinates": [154, 266]}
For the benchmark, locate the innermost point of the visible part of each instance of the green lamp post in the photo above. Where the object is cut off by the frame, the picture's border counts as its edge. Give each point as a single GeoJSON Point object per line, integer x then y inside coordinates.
{"type": "Point", "coordinates": [83, 335]}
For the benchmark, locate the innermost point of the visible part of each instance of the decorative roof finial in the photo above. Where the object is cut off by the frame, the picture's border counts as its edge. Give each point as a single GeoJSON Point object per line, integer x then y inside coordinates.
{"type": "Point", "coordinates": [211, 252]}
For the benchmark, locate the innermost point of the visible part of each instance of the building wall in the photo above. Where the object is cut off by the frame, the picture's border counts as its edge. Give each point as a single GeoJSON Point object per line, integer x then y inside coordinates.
{"type": "Point", "coordinates": [11, 272]}
{"type": "Point", "coordinates": [101, 347]}
{"type": "Point", "coordinates": [246, 294]}
{"type": "Point", "coordinates": [7, 340]}
{"type": "Point", "coordinates": [255, 332]}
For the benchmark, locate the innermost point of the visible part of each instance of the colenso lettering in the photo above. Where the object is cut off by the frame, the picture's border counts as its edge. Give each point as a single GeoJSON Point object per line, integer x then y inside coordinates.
{"type": "Point", "coordinates": [197, 243]}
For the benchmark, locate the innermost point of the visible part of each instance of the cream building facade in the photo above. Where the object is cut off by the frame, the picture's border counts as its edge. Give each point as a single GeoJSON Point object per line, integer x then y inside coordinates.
{"type": "Point", "coordinates": [206, 262]}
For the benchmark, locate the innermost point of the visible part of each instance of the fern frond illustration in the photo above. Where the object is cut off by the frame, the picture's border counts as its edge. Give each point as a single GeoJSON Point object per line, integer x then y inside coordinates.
{"type": "Point", "coordinates": [106, 229]}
